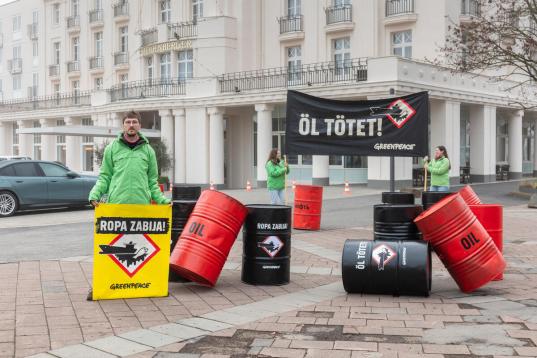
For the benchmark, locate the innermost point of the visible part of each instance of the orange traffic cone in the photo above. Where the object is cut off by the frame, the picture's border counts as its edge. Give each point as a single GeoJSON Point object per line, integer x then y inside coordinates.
{"type": "Point", "coordinates": [293, 184]}
{"type": "Point", "coordinates": [212, 186]}
{"type": "Point", "coordinates": [347, 189]}
{"type": "Point", "coordinates": [248, 186]}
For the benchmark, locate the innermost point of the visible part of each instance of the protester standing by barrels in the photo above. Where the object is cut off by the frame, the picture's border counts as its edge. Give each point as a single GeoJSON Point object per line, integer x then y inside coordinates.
{"type": "Point", "coordinates": [276, 171]}
{"type": "Point", "coordinates": [439, 168]}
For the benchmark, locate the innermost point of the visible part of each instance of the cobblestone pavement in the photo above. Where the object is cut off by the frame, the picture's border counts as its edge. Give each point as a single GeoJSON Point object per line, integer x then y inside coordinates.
{"type": "Point", "coordinates": [43, 311]}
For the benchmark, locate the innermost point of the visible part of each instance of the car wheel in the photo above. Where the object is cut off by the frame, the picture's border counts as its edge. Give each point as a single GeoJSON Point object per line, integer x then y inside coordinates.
{"type": "Point", "coordinates": [8, 203]}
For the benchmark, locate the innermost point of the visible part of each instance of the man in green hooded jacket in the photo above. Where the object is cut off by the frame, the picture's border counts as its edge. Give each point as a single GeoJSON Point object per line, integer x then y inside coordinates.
{"type": "Point", "coordinates": [129, 173]}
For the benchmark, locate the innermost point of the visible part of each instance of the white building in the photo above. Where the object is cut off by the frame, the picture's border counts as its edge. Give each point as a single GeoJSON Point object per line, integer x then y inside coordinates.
{"type": "Point", "coordinates": [210, 78]}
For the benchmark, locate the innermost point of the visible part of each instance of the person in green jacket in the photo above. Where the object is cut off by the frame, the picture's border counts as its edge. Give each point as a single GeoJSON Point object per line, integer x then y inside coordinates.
{"type": "Point", "coordinates": [439, 168]}
{"type": "Point", "coordinates": [129, 170]}
{"type": "Point", "coordinates": [276, 171]}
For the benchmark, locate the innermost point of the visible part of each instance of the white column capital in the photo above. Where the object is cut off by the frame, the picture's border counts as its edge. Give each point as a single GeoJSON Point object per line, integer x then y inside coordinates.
{"type": "Point", "coordinates": [264, 107]}
{"type": "Point", "coordinates": [22, 123]}
{"type": "Point", "coordinates": [68, 121]}
{"type": "Point", "coordinates": [518, 113]}
{"type": "Point", "coordinates": [3, 124]}
{"type": "Point", "coordinates": [165, 113]}
{"type": "Point", "coordinates": [213, 111]}
{"type": "Point", "coordinates": [45, 122]}
{"type": "Point", "coordinates": [180, 112]}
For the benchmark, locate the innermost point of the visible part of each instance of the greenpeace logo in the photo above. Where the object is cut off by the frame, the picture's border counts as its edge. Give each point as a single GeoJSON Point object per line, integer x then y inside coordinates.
{"type": "Point", "coordinates": [393, 146]}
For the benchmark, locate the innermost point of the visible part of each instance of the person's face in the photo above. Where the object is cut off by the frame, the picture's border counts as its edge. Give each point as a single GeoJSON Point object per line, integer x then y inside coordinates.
{"type": "Point", "coordinates": [131, 126]}
{"type": "Point", "coordinates": [278, 154]}
{"type": "Point", "coordinates": [438, 153]}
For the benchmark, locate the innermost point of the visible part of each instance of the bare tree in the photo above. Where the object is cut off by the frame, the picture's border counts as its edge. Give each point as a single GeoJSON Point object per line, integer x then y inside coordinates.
{"type": "Point", "coordinates": [498, 38]}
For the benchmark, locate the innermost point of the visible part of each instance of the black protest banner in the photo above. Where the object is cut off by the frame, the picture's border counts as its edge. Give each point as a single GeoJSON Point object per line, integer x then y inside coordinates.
{"type": "Point", "coordinates": [387, 127]}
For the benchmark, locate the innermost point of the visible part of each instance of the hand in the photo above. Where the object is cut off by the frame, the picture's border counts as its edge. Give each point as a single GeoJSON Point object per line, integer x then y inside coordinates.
{"type": "Point", "coordinates": [94, 203]}
{"type": "Point", "coordinates": [426, 158]}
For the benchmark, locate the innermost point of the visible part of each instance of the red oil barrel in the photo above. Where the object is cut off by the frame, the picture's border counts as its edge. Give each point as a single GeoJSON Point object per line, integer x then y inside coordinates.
{"type": "Point", "coordinates": [461, 242]}
{"type": "Point", "coordinates": [469, 195]}
{"type": "Point", "coordinates": [208, 236]}
{"type": "Point", "coordinates": [491, 217]}
{"type": "Point", "coordinates": [308, 203]}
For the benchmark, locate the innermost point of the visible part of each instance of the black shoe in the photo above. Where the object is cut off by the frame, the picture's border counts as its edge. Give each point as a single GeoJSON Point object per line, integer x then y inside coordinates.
{"type": "Point", "coordinates": [90, 295]}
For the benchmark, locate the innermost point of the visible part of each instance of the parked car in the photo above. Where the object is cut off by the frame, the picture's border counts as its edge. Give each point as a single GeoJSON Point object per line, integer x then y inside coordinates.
{"type": "Point", "coordinates": [32, 184]}
{"type": "Point", "coordinates": [13, 157]}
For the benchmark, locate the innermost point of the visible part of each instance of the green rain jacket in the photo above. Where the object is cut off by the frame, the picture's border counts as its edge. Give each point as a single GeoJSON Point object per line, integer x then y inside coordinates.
{"type": "Point", "coordinates": [439, 170]}
{"type": "Point", "coordinates": [276, 175]}
{"type": "Point", "coordinates": [128, 176]}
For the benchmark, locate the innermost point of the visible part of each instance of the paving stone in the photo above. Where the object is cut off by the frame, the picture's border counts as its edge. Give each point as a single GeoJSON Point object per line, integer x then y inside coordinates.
{"type": "Point", "coordinates": [262, 342]}
{"type": "Point", "coordinates": [311, 344]}
{"type": "Point", "coordinates": [149, 338]}
{"type": "Point", "coordinates": [445, 348]}
{"type": "Point", "coordinates": [283, 352]}
{"type": "Point", "coordinates": [42, 355]}
{"type": "Point", "coordinates": [204, 324]}
{"type": "Point", "coordinates": [80, 351]}
{"type": "Point", "coordinates": [118, 346]}
{"type": "Point", "coordinates": [179, 331]}
{"type": "Point", "coordinates": [323, 353]}
{"type": "Point", "coordinates": [490, 350]}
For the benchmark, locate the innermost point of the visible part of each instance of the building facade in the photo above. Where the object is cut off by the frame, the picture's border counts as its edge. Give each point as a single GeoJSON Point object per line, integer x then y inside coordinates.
{"type": "Point", "coordinates": [210, 79]}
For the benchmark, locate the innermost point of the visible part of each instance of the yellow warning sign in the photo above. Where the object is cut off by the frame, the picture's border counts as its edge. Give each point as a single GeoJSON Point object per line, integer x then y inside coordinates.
{"type": "Point", "coordinates": [131, 251]}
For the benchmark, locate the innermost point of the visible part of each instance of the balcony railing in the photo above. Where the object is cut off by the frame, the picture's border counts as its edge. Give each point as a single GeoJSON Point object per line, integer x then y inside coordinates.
{"type": "Point", "coordinates": [54, 70]}
{"type": "Point", "coordinates": [15, 66]}
{"type": "Point", "coordinates": [182, 30]}
{"type": "Point", "coordinates": [160, 87]}
{"type": "Point", "coordinates": [290, 23]}
{"type": "Point", "coordinates": [121, 58]}
{"type": "Point", "coordinates": [33, 31]}
{"type": "Point", "coordinates": [121, 9]}
{"type": "Point", "coordinates": [149, 36]}
{"type": "Point", "coordinates": [470, 8]}
{"type": "Point", "coordinates": [351, 71]}
{"type": "Point", "coordinates": [96, 62]}
{"type": "Point", "coordinates": [73, 66]}
{"type": "Point", "coordinates": [335, 14]}
{"type": "Point", "coordinates": [73, 21]}
{"type": "Point", "coordinates": [96, 15]}
{"type": "Point", "coordinates": [398, 7]}
{"type": "Point", "coordinates": [73, 99]}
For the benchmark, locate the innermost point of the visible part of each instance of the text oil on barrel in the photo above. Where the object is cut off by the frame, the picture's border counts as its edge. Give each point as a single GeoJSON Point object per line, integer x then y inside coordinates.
{"type": "Point", "coordinates": [307, 207]}
{"type": "Point", "coordinates": [267, 245]}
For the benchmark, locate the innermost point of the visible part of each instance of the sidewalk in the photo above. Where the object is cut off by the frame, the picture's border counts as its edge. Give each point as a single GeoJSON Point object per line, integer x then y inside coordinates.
{"type": "Point", "coordinates": [43, 310]}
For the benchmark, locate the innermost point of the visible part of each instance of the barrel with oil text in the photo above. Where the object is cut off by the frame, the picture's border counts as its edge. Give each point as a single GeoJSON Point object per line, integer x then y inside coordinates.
{"type": "Point", "coordinates": [207, 238]}
{"type": "Point", "coordinates": [181, 210]}
{"type": "Point", "coordinates": [307, 207]}
{"type": "Point", "coordinates": [429, 198]}
{"type": "Point", "coordinates": [491, 217]}
{"type": "Point", "coordinates": [461, 242]}
{"type": "Point", "coordinates": [267, 245]}
{"type": "Point", "coordinates": [396, 222]}
{"type": "Point", "coordinates": [400, 267]}
{"type": "Point", "coordinates": [397, 197]}
{"type": "Point", "coordinates": [469, 196]}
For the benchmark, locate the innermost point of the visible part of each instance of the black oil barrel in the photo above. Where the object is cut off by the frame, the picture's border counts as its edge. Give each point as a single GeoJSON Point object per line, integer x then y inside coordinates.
{"type": "Point", "coordinates": [397, 197]}
{"type": "Point", "coordinates": [387, 267]}
{"type": "Point", "coordinates": [267, 245]}
{"type": "Point", "coordinates": [428, 198]}
{"type": "Point", "coordinates": [181, 210]}
{"type": "Point", "coordinates": [396, 222]}
{"type": "Point", "coordinates": [184, 192]}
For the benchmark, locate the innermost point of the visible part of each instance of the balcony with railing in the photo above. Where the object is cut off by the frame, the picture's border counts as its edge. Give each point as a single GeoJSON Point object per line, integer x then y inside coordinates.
{"type": "Point", "coordinates": [121, 58]}
{"type": "Point", "coordinates": [73, 67]}
{"type": "Point", "coordinates": [54, 70]}
{"type": "Point", "coordinates": [33, 31]}
{"type": "Point", "coordinates": [96, 17]}
{"type": "Point", "coordinates": [96, 63]}
{"type": "Point", "coordinates": [15, 66]}
{"type": "Point", "coordinates": [149, 36]}
{"type": "Point", "coordinates": [159, 87]}
{"type": "Point", "coordinates": [73, 23]}
{"type": "Point", "coordinates": [293, 23]}
{"type": "Point", "coordinates": [73, 99]}
{"type": "Point", "coordinates": [121, 10]}
{"type": "Point", "coordinates": [339, 18]}
{"type": "Point", "coordinates": [399, 11]}
{"type": "Point", "coordinates": [182, 30]}
{"type": "Point", "coordinates": [470, 8]}
{"type": "Point", "coordinates": [325, 73]}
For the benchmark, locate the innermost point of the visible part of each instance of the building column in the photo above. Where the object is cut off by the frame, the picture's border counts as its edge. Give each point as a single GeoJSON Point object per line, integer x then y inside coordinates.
{"type": "Point", "coordinates": [319, 170]}
{"type": "Point", "coordinates": [535, 148]}
{"type": "Point", "coordinates": [264, 141]}
{"type": "Point", "coordinates": [25, 140]}
{"type": "Point", "coordinates": [5, 138]}
{"type": "Point", "coordinates": [445, 130]}
{"type": "Point", "coordinates": [515, 145]}
{"type": "Point", "coordinates": [73, 147]}
{"type": "Point", "coordinates": [216, 146]}
{"type": "Point", "coordinates": [378, 172]}
{"type": "Point", "coordinates": [180, 146]}
{"type": "Point", "coordinates": [48, 141]}
{"type": "Point", "coordinates": [483, 144]}
{"type": "Point", "coordinates": [115, 120]}
{"type": "Point", "coordinates": [197, 146]}
{"type": "Point", "coordinates": [166, 136]}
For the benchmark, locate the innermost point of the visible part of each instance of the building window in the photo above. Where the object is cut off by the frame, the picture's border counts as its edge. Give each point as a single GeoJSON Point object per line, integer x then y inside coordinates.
{"type": "Point", "coordinates": [35, 48]}
{"type": "Point", "coordinates": [293, 8]}
{"type": "Point", "coordinates": [165, 65]}
{"type": "Point", "coordinates": [185, 64]}
{"type": "Point", "coordinates": [528, 134]}
{"type": "Point", "coordinates": [1, 57]}
{"type": "Point", "coordinates": [56, 53]}
{"type": "Point", "coordinates": [197, 9]}
{"type": "Point", "coordinates": [15, 138]}
{"type": "Point", "coordinates": [502, 140]}
{"type": "Point", "coordinates": [402, 43]}
{"type": "Point", "coordinates": [294, 62]}
{"type": "Point", "coordinates": [60, 144]}
{"type": "Point", "coordinates": [55, 14]}
{"type": "Point", "coordinates": [123, 39]}
{"type": "Point", "coordinates": [37, 142]}
{"type": "Point", "coordinates": [98, 83]}
{"type": "Point", "coordinates": [75, 8]}
{"type": "Point", "coordinates": [16, 82]}
{"type": "Point", "coordinates": [99, 44]}
{"type": "Point", "coordinates": [76, 48]}
{"type": "Point", "coordinates": [56, 88]}
{"type": "Point", "coordinates": [342, 55]}
{"type": "Point", "coordinates": [35, 84]}
{"type": "Point", "coordinates": [165, 11]}
{"type": "Point", "coordinates": [124, 81]}
{"type": "Point", "coordinates": [16, 24]}
{"type": "Point", "coordinates": [150, 67]}
{"type": "Point", "coordinates": [87, 148]}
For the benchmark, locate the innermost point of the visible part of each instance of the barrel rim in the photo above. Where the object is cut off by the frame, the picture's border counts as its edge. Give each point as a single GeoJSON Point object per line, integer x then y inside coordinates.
{"type": "Point", "coordinates": [436, 206]}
